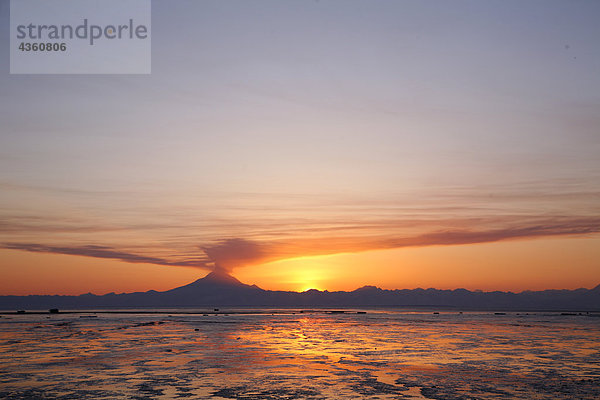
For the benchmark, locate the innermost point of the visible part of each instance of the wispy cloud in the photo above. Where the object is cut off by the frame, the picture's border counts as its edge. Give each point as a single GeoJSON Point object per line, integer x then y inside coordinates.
{"type": "Point", "coordinates": [237, 229]}
{"type": "Point", "coordinates": [100, 252]}
{"type": "Point", "coordinates": [236, 252]}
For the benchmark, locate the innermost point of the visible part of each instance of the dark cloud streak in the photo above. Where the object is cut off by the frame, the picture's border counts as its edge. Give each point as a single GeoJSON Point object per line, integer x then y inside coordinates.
{"type": "Point", "coordinates": [100, 252]}
{"type": "Point", "coordinates": [237, 252]}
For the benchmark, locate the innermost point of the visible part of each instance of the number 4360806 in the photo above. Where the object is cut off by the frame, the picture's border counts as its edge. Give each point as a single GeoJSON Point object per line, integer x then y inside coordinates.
{"type": "Point", "coordinates": [24, 46]}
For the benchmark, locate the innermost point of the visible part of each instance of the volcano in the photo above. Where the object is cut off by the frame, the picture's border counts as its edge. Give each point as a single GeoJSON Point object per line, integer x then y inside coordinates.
{"type": "Point", "coordinates": [216, 287]}
{"type": "Point", "coordinates": [216, 279]}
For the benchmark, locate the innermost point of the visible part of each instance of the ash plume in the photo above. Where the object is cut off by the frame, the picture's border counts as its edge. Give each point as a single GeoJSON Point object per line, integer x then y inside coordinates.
{"type": "Point", "coordinates": [231, 253]}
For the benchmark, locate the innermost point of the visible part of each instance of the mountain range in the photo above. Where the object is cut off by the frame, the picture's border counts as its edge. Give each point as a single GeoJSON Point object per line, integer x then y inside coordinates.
{"type": "Point", "coordinates": [219, 289]}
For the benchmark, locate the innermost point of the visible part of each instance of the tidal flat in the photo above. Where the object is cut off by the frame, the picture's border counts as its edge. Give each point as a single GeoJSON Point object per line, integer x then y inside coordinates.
{"type": "Point", "coordinates": [289, 354]}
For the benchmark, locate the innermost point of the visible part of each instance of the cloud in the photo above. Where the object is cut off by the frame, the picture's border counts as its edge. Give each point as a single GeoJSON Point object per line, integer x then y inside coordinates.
{"type": "Point", "coordinates": [100, 252]}
{"type": "Point", "coordinates": [349, 244]}
{"type": "Point", "coordinates": [231, 253]}
{"type": "Point", "coordinates": [456, 237]}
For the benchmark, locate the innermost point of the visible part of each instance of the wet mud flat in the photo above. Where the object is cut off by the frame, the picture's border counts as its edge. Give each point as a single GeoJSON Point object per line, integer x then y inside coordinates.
{"type": "Point", "coordinates": [377, 355]}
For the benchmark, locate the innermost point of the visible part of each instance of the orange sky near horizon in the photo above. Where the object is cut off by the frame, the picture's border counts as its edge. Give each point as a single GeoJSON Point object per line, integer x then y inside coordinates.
{"type": "Point", "coordinates": [516, 265]}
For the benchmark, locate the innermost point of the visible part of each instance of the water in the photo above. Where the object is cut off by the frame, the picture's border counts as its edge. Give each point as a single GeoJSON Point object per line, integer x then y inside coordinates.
{"type": "Point", "coordinates": [383, 354]}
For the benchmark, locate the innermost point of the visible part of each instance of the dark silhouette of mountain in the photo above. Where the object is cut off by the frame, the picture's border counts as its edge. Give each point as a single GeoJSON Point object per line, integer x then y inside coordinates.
{"type": "Point", "coordinates": [219, 289]}
{"type": "Point", "coordinates": [216, 281]}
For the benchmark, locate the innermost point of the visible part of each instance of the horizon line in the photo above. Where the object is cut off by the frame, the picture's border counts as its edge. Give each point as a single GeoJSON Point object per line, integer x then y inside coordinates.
{"type": "Point", "coordinates": [314, 289]}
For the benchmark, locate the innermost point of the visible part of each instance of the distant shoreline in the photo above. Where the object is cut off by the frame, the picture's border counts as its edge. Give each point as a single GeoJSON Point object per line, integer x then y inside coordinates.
{"type": "Point", "coordinates": [295, 310]}
{"type": "Point", "coordinates": [219, 290]}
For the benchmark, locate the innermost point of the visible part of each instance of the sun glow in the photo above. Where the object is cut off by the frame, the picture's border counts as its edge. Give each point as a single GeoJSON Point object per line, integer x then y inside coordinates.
{"type": "Point", "coordinates": [309, 279]}
{"type": "Point", "coordinates": [442, 267]}
{"type": "Point", "coordinates": [310, 287]}
{"type": "Point", "coordinates": [305, 273]}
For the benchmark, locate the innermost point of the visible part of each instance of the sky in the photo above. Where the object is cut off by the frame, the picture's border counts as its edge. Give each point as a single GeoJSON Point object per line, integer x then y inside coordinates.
{"type": "Point", "coordinates": [321, 144]}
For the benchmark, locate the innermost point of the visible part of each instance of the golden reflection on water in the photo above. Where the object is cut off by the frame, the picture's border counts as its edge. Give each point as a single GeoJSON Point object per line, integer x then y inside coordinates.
{"type": "Point", "coordinates": [317, 355]}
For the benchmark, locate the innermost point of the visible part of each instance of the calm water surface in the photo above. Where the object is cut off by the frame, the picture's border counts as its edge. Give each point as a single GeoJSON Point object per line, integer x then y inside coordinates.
{"type": "Point", "coordinates": [378, 355]}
